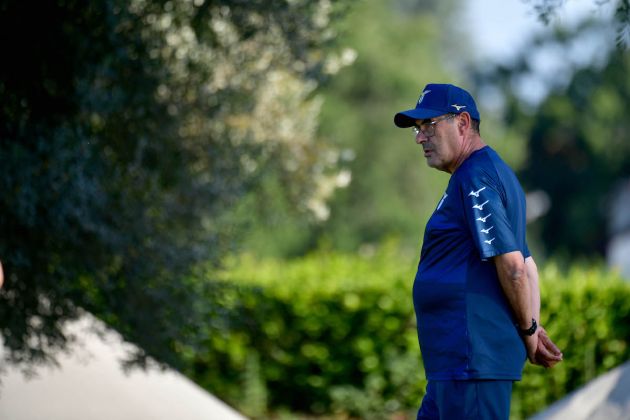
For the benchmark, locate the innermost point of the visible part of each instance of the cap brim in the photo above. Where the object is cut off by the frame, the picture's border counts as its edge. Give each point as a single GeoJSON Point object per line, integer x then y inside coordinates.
{"type": "Point", "coordinates": [408, 118]}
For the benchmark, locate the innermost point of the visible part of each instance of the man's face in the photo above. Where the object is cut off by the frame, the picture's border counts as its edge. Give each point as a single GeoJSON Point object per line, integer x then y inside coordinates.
{"type": "Point", "coordinates": [440, 141]}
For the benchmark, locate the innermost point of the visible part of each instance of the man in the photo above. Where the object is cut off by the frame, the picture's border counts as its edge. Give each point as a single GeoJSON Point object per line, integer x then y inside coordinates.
{"type": "Point", "coordinates": [476, 292]}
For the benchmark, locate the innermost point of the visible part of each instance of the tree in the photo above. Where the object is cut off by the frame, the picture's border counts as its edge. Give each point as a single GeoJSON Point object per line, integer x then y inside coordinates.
{"type": "Point", "coordinates": [546, 9]}
{"type": "Point", "coordinates": [396, 47]}
{"type": "Point", "coordinates": [129, 131]}
{"type": "Point", "coordinates": [577, 148]}
{"type": "Point", "coordinates": [384, 189]}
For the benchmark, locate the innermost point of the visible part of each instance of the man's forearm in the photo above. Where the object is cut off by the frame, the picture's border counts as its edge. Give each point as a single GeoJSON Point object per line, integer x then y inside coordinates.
{"type": "Point", "coordinates": [532, 277]}
{"type": "Point", "coordinates": [514, 280]}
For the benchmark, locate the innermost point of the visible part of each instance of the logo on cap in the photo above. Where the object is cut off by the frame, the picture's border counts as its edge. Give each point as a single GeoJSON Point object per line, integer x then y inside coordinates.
{"type": "Point", "coordinates": [458, 107]}
{"type": "Point", "coordinates": [422, 96]}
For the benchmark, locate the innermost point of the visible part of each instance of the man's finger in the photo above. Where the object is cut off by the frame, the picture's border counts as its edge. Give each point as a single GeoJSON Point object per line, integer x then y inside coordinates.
{"type": "Point", "coordinates": [546, 361]}
{"type": "Point", "coordinates": [548, 355]}
{"type": "Point", "coordinates": [543, 353]}
{"type": "Point", "coordinates": [548, 344]}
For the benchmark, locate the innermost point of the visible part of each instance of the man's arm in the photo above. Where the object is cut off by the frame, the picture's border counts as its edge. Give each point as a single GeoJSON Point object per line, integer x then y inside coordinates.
{"type": "Point", "coordinates": [547, 353]}
{"type": "Point", "coordinates": [513, 277]}
{"type": "Point", "coordinates": [1, 275]}
{"type": "Point", "coordinates": [532, 276]}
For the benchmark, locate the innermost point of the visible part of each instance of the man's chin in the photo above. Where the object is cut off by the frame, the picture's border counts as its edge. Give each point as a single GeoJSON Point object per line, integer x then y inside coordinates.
{"type": "Point", "coordinates": [435, 164]}
{"type": "Point", "coordinates": [431, 161]}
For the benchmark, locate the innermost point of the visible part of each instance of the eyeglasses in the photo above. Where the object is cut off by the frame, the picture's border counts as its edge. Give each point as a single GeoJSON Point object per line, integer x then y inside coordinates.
{"type": "Point", "coordinates": [428, 128]}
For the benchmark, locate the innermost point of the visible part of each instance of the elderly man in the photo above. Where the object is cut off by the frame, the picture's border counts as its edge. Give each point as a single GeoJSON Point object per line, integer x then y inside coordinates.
{"type": "Point", "coordinates": [476, 292]}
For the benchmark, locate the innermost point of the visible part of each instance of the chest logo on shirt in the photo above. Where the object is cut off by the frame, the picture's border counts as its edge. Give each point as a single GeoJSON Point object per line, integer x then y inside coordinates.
{"type": "Point", "coordinates": [442, 201]}
{"type": "Point", "coordinates": [489, 242]}
{"type": "Point", "coordinates": [480, 206]}
{"type": "Point", "coordinates": [476, 193]}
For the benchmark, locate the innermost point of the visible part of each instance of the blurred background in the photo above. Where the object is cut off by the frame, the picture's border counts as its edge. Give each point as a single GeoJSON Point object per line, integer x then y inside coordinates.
{"type": "Point", "coordinates": [221, 183]}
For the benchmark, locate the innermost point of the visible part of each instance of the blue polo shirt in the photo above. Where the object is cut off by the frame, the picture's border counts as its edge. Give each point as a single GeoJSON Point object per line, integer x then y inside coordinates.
{"type": "Point", "coordinates": [466, 327]}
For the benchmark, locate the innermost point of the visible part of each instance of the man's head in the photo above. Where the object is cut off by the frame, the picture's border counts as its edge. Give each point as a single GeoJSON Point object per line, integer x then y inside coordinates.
{"type": "Point", "coordinates": [446, 123]}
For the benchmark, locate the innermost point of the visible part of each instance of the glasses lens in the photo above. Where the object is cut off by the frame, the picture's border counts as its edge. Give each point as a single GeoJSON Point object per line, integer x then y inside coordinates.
{"type": "Point", "coordinates": [428, 128]}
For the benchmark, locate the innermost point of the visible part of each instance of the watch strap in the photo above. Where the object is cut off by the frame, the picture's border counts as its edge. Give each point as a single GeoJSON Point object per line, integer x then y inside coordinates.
{"type": "Point", "coordinates": [529, 331]}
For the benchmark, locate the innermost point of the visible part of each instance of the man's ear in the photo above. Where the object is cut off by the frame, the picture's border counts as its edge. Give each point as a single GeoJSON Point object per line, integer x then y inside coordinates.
{"type": "Point", "coordinates": [464, 122]}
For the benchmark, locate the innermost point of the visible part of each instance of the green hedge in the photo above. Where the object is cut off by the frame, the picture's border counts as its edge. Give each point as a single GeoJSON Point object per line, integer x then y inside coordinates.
{"type": "Point", "coordinates": [335, 334]}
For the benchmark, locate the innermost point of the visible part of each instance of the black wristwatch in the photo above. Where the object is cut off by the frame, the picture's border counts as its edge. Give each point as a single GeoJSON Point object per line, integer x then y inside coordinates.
{"type": "Point", "coordinates": [530, 331]}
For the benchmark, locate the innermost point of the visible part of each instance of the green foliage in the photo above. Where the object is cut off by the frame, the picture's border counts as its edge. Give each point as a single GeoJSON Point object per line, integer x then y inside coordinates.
{"type": "Point", "coordinates": [335, 334]}
{"type": "Point", "coordinates": [401, 46]}
{"type": "Point", "coordinates": [401, 49]}
{"type": "Point", "coordinates": [398, 46]}
{"type": "Point", "coordinates": [129, 130]}
{"type": "Point", "coordinates": [578, 160]}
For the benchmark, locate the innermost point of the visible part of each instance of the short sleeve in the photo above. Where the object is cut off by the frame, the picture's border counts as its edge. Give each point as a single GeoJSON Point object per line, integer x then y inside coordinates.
{"type": "Point", "coordinates": [486, 217]}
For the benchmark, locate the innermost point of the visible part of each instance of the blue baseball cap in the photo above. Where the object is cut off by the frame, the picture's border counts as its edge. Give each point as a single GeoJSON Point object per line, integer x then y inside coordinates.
{"type": "Point", "coordinates": [435, 100]}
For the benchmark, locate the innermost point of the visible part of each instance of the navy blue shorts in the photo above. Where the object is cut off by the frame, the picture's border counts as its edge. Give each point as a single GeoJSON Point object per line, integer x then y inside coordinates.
{"type": "Point", "coordinates": [473, 399]}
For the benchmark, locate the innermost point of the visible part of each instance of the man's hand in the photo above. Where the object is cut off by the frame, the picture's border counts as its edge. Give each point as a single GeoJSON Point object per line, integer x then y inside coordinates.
{"type": "Point", "coordinates": [531, 345]}
{"type": "Point", "coordinates": [547, 354]}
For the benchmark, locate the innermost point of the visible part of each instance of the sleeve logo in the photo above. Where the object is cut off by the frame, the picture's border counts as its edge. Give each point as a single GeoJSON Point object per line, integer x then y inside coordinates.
{"type": "Point", "coordinates": [486, 231]}
{"type": "Point", "coordinates": [476, 193]}
{"type": "Point", "coordinates": [483, 219]}
{"type": "Point", "coordinates": [480, 206]}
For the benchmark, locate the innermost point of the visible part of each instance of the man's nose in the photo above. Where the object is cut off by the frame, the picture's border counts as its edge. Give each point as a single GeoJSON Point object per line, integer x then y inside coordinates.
{"type": "Point", "coordinates": [421, 138]}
